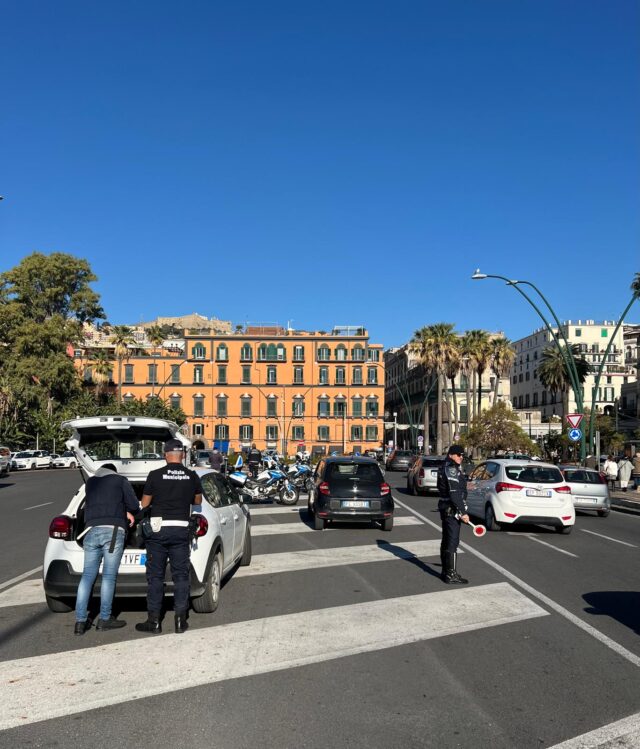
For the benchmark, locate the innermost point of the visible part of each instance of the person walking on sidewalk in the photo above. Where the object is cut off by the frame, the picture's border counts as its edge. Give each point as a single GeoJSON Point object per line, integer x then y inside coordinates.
{"type": "Point", "coordinates": [610, 469]}
{"type": "Point", "coordinates": [636, 470]}
{"type": "Point", "coordinates": [110, 507]}
{"type": "Point", "coordinates": [625, 467]}
{"type": "Point", "coordinates": [452, 487]}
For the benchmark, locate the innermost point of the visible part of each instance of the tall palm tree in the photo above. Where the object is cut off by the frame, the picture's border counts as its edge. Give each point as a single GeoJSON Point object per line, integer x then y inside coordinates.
{"type": "Point", "coordinates": [101, 368]}
{"type": "Point", "coordinates": [467, 367]}
{"type": "Point", "coordinates": [553, 373]}
{"type": "Point", "coordinates": [122, 338]}
{"type": "Point", "coordinates": [453, 368]}
{"type": "Point", "coordinates": [502, 356]}
{"type": "Point", "coordinates": [156, 339]}
{"type": "Point", "coordinates": [479, 351]}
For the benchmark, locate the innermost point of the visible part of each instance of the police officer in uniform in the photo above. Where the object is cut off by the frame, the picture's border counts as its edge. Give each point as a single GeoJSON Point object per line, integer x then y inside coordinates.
{"type": "Point", "coordinates": [169, 493]}
{"type": "Point", "coordinates": [452, 487]}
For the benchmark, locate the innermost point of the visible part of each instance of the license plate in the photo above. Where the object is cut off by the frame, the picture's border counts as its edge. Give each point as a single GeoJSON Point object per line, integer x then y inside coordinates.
{"type": "Point", "coordinates": [538, 492]}
{"type": "Point", "coordinates": [133, 558]}
{"type": "Point", "coordinates": [434, 474]}
{"type": "Point", "coordinates": [355, 503]}
{"type": "Point", "coordinates": [586, 499]}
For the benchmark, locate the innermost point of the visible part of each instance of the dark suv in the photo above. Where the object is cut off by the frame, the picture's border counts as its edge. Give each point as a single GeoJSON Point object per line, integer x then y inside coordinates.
{"type": "Point", "coordinates": [350, 488]}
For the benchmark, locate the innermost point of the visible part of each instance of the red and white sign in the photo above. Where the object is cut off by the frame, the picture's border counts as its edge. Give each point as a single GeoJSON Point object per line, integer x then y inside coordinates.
{"type": "Point", "coordinates": [574, 420]}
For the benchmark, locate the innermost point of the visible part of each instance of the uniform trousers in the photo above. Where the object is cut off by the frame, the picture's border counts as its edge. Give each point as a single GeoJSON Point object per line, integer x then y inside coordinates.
{"type": "Point", "coordinates": [170, 543]}
{"type": "Point", "coordinates": [450, 532]}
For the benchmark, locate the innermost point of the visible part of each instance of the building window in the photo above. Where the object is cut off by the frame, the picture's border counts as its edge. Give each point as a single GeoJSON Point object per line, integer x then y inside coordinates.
{"type": "Point", "coordinates": [222, 352]}
{"type": "Point", "coordinates": [281, 353]}
{"type": "Point", "coordinates": [298, 375]}
{"type": "Point", "coordinates": [245, 406]}
{"type": "Point", "coordinates": [175, 374]}
{"type": "Point", "coordinates": [340, 376]}
{"type": "Point", "coordinates": [272, 431]}
{"type": "Point", "coordinates": [298, 406]}
{"type": "Point", "coordinates": [520, 377]}
{"type": "Point", "coordinates": [527, 376]}
{"type": "Point", "coordinates": [298, 353]}
{"type": "Point", "coordinates": [221, 405]}
{"type": "Point", "coordinates": [356, 407]}
{"type": "Point", "coordinates": [324, 352]}
{"type": "Point", "coordinates": [197, 430]}
{"type": "Point", "coordinates": [198, 405]}
{"type": "Point", "coordinates": [603, 332]}
{"type": "Point", "coordinates": [578, 332]}
{"type": "Point", "coordinates": [515, 379]}
{"type": "Point", "coordinates": [297, 433]}
{"type": "Point", "coordinates": [323, 376]}
{"type": "Point", "coordinates": [246, 375]}
{"type": "Point", "coordinates": [245, 353]}
{"type": "Point", "coordinates": [174, 402]}
{"type": "Point", "coordinates": [323, 434]}
{"type": "Point", "coordinates": [246, 432]}
{"type": "Point", "coordinates": [222, 374]}
{"type": "Point", "coordinates": [128, 374]}
{"type": "Point", "coordinates": [372, 375]}
{"type": "Point", "coordinates": [198, 374]}
{"type": "Point", "coordinates": [356, 432]}
{"type": "Point", "coordinates": [526, 400]}
{"type": "Point", "coordinates": [372, 433]}
{"type": "Point", "coordinates": [272, 375]}
{"type": "Point", "coordinates": [341, 352]}
{"type": "Point", "coordinates": [323, 408]}
{"type": "Point", "coordinates": [372, 407]}
{"type": "Point", "coordinates": [339, 407]}
{"type": "Point", "coordinates": [535, 399]}
{"type": "Point", "coordinates": [152, 374]}
{"type": "Point", "coordinates": [357, 353]}
{"type": "Point", "coordinates": [544, 397]}
{"type": "Point", "coordinates": [373, 354]}
{"type": "Point", "coordinates": [198, 351]}
{"type": "Point", "coordinates": [272, 407]}
{"type": "Point", "coordinates": [222, 432]}
{"type": "Point", "coordinates": [356, 376]}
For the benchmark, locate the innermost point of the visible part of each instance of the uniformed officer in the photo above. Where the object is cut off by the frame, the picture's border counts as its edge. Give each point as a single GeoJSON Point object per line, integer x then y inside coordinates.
{"type": "Point", "coordinates": [169, 493]}
{"type": "Point", "coordinates": [452, 487]}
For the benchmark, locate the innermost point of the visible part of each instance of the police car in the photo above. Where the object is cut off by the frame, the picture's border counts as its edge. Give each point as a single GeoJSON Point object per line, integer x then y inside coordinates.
{"type": "Point", "coordinates": [223, 535]}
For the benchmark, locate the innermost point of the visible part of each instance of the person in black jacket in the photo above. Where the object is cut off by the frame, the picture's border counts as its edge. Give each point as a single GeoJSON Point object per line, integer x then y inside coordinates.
{"type": "Point", "coordinates": [254, 458]}
{"type": "Point", "coordinates": [452, 487]}
{"type": "Point", "coordinates": [110, 507]}
{"type": "Point", "coordinates": [216, 460]}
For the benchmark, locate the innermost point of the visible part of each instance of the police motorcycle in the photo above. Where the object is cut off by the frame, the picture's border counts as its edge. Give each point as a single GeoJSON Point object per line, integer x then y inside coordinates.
{"type": "Point", "coordinates": [271, 483]}
{"type": "Point", "coordinates": [299, 474]}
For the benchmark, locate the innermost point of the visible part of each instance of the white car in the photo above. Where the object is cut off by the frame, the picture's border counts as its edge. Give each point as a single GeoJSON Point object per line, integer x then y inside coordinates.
{"type": "Point", "coordinates": [506, 491]}
{"type": "Point", "coordinates": [29, 460]}
{"type": "Point", "coordinates": [66, 460]}
{"type": "Point", "coordinates": [5, 460]}
{"type": "Point", "coordinates": [222, 541]}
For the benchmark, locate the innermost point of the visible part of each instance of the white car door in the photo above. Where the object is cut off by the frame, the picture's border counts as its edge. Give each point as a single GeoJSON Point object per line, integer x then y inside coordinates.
{"type": "Point", "coordinates": [220, 499]}
{"type": "Point", "coordinates": [239, 519]}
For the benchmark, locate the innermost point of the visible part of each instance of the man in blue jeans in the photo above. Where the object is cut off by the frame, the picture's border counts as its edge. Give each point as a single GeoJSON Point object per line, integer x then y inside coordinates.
{"type": "Point", "coordinates": [110, 506]}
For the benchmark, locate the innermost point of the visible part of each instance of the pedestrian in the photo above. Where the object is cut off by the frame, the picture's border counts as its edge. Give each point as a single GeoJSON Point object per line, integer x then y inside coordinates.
{"type": "Point", "coordinates": [169, 493]}
{"type": "Point", "coordinates": [254, 458]}
{"type": "Point", "coordinates": [216, 460]}
{"type": "Point", "coordinates": [109, 508]}
{"type": "Point", "coordinates": [452, 487]}
{"type": "Point", "coordinates": [625, 468]}
{"type": "Point", "coordinates": [636, 470]}
{"type": "Point", "coordinates": [610, 469]}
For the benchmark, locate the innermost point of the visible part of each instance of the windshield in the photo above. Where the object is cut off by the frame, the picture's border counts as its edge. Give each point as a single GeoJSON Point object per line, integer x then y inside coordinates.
{"type": "Point", "coordinates": [534, 474]}
{"type": "Point", "coordinates": [24, 455]}
{"type": "Point", "coordinates": [580, 476]}
{"type": "Point", "coordinates": [67, 454]}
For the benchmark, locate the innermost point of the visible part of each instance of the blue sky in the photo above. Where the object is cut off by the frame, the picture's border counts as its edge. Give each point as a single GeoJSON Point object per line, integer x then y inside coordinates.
{"type": "Point", "coordinates": [327, 163]}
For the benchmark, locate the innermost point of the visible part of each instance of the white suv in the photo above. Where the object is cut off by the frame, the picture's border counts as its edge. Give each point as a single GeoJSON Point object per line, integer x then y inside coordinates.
{"type": "Point", "coordinates": [29, 460]}
{"type": "Point", "coordinates": [223, 538]}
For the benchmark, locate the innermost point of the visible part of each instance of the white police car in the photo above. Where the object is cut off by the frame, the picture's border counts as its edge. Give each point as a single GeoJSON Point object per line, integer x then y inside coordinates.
{"type": "Point", "coordinates": [223, 537]}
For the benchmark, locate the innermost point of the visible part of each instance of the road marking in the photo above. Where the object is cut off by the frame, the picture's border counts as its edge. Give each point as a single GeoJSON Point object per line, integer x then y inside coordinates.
{"type": "Point", "coordinates": [275, 509]}
{"type": "Point", "coordinates": [24, 509]}
{"type": "Point", "coordinates": [607, 641]}
{"type": "Point", "coordinates": [615, 540]}
{"type": "Point", "coordinates": [23, 594]}
{"type": "Point", "coordinates": [17, 579]}
{"type": "Point", "coordinates": [533, 537]}
{"type": "Point", "coordinates": [50, 686]}
{"type": "Point", "coordinates": [622, 733]}
{"type": "Point", "coordinates": [295, 561]}
{"type": "Point", "coordinates": [275, 529]}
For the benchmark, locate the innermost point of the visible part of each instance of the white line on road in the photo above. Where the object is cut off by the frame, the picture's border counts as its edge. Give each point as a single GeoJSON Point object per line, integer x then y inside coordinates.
{"type": "Point", "coordinates": [260, 510]}
{"type": "Point", "coordinates": [36, 506]}
{"type": "Point", "coordinates": [532, 537]}
{"type": "Point", "coordinates": [25, 593]}
{"type": "Point", "coordinates": [622, 733]}
{"type": "Point", "coordinates": [593, 533]}
{"type": "Point", "coordinates": [275, 529]}
{"type": "Point", "coordinates": [612, 644]}
{"type": "Point", "coordinates": [17, 579]}
{"type": "Point", "coordinates": [50, 686]}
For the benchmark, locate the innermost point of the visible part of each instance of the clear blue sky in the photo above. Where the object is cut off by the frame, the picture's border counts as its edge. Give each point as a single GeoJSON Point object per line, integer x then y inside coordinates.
{"type": "Point", "coordinates": [327, 162]}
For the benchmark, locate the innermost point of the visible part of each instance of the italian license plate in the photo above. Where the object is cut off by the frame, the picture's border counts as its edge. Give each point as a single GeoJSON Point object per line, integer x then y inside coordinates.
{"type": "Point", "coordinates": [593, 500]}
{"type": "Point", "coordinates": [133, 558]}
{"type": "Point", "coordinates": [538, 492]}
{"type": "Point", "coordinates": [355, 503]}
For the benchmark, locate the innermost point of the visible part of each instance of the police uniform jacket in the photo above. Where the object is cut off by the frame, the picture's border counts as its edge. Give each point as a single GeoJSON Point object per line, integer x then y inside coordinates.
{"type": "Point", "coordinates": [452, 487]}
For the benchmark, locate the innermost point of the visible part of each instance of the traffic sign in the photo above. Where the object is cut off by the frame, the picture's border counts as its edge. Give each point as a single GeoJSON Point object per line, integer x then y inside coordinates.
{"type": "Point", "coordinates": [574, 420]}
{"type": "Point", "coordinates": [575, 435]}
{"type": "Point", "coordinates": [420, 440]}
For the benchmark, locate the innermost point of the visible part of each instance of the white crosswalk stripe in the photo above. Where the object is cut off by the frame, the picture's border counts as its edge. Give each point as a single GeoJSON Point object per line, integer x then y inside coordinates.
{"type": "Point", "coordinates": [277, 529]}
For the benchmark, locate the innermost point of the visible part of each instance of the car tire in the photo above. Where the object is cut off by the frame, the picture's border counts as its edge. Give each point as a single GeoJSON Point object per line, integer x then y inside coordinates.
{"type": "Point", "coordinates": [603, 513]}
{"type": "Point", "coordinates": [208, 602]}
{"type": "Point", "coordinates": [564, 529]}
{"type": "Point", "coordinates": [387, 524]}
{"type": "Point", "coordinates": [245, 560]}
{"type": "Point", "coordinates": [58, 605]}
{"type": "Point", "coordinates": [319, 524]}
{"type": "Point", "coordinates": [490, 522]}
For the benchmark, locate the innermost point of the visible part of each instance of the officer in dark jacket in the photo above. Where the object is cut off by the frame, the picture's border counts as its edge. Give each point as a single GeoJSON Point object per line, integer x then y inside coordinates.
{"type": "Point", "coordinates": [452, 487]}
{"type": "Point", "coordinates": [254, 458]}
{"type": "Point", "coordinates": [169, 493]}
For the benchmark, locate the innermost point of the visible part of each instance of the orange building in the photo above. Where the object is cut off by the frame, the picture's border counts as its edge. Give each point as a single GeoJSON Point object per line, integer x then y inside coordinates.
{"type": "Point", "coordinates": [275, 387]}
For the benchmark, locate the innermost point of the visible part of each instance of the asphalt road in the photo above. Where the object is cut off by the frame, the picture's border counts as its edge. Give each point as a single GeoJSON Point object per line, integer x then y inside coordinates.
{"type": "Point", "coordinates": [541, 647]}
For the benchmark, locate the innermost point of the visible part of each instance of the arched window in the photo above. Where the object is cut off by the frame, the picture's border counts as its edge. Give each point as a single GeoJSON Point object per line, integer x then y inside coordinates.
{"type": "Point", "coordinates": [324, 352]}
{"type": "Point", "coordinates": [357, 353]}
{"type": "Point", "coordinates": [262, 352]}
{"type": "Point", "coordinates": [272, 352]}
{"type": "Point", "coordinates": [222, 352]}
{"type": "Point", "coordinates": [198, 351]}
{"type": "Point", "coordinates": [245, 353]}
{"type": "Point", "coordinates": [341, 352]}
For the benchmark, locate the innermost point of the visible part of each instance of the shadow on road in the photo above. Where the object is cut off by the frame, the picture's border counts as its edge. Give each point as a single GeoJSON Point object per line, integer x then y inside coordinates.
{"type": "Point", "coordinates": [407, 556]}
{"type": "Point", "coordinates": [21, 627]}
{"type": "Point", "coordinates": [6, 484]}
{"type": "Point", "coordinates": [624, 606]}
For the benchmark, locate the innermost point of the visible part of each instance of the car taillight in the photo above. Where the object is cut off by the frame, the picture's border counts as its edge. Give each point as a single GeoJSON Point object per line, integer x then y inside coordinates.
{"type": "Point", "coordinates": [324, 488]}
{"type": "Point", "coordinates": [203, 526]}
{"type": "Point", "coordinates": [60, 527]}
{"type": "Point", "coordinates": [421, 473]}
{"type": "Point", "coordinates": [563, 489]}
{"type": "Point", "coordinates": [384, 489]}
{"type": "Point", "coordinates": [502, 486]}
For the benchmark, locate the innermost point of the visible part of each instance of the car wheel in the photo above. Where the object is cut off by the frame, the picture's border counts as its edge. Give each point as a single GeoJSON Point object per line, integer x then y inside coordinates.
{"type": "Point", "coordinates": [318, 523]}
{"type": "Point", "coordinates": [245, 560]}
{"type": "Point", "coordinates": [603, 513]}
{"type": "Point", "coordinates": [387, 524]}
{"type": "Point", "coordinates": [208, 602]}
{"type": "Point", "coordinates": [564, 529]}
{"type": "Point", "coordinates": [490, 521]}
{"type": "Point", "coordinates": [58, 605]}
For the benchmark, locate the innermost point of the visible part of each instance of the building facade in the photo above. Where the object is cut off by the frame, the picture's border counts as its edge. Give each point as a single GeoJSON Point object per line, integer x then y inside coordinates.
{"type": "Point", "coordinates": [279, 390]}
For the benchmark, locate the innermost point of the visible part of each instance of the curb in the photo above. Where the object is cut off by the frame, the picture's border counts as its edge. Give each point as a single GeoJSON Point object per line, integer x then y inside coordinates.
{"type": "Point", "coordinates": [627, 504]}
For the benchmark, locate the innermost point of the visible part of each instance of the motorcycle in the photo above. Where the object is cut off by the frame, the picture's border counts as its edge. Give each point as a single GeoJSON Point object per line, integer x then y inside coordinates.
{"type": "Point", "coordinates": [299, 474]}
{"type": "Point", "coordinates": [271, 483]}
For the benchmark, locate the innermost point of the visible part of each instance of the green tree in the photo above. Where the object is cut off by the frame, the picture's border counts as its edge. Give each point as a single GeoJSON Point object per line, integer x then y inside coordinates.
{"type": "Point", "coordinates": [122, 339]}
{"type": "Point", "coordinates": [156, 339]}
{"type": "Point", "coordinates": [553, 373]}
{"type": "Point", "coordinates": [498, 428]}
{"type": "Point", "coordinates": [502, 356]}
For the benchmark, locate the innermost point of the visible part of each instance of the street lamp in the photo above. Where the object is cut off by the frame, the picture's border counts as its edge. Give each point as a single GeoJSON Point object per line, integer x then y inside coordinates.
{"type": "Point", "coordinates": [395, 430]}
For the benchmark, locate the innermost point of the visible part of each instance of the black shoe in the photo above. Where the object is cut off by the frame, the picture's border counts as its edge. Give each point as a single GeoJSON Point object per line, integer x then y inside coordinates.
{"type": "Point", "coordinates": [152, 625]}
{"type": "Point", "coordinates": [81, 627]}
{"type": "Point", "coordinates": [450, 575]}
{"type": "Point", "coordinates": [110, 623]}
{"type": "Point", "coordinates": [182, 625]}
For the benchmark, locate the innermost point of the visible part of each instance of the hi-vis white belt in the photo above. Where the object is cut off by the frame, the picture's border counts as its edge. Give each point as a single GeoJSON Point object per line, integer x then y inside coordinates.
{"type": "Point", "coordinates": [175, 523]}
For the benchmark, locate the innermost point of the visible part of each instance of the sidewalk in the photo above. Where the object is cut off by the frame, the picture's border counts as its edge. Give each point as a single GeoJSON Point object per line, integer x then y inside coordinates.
{"type": "Point", "coordinates": [629, 500]}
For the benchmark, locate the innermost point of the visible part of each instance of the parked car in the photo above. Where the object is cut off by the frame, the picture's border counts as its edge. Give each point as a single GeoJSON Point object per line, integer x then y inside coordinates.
{"type": "Point", "coordinates": [29, 460]}
{"type": "Point", "coordinates": [399, 460]}
{"type": "Point", "coordinates": [12, 461]}
{"type": "Point", "coordinates": [422, 476]}
{"type": "Point", "coordinates": [66, 460]}
{"type": "Point", "coordinates": [505, 491]}
{"type": "Point", "coordinates": [350, 488]}
{"type": "Point", "coordinates": [223, 537]}
{"type": "Point", "coordinates": [5, 460]}
{"type": "Point", "coordinates": [202, 458]}
{"type": "Point", "coordinates": [589, 489]}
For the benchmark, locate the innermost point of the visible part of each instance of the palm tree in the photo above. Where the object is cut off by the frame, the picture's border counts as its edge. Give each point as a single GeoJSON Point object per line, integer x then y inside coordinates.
{"type": "Point", "coordinates": [156, 339]}
{"type": "Point", "coordinates": [453, 368]}
{"type": "Point", "coordinates": [479, 352]}
{"type": "Point", "coordinates": [101, 368]}
{"type": "Point", "coordinates": [502, 356]}
{"type": "Point", "coordinates": [553, 373]}
{"type": "Point", "coordinates": [466, 367]}
{"type": "Point", "coordinates": [122, 338]}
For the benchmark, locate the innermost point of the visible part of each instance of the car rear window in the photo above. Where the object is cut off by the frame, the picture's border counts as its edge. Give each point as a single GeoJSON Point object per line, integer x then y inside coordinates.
{"type": "Point", "coordinates": [365, 471]}
{"type": "Point", "coordinates": [580, 476]}
{"type": "Point", "coordinates": [402, 454]}
{"type": "Point", "coordinates": [432, 462]}
{"type": "Point", "coordinates": [534, 474]}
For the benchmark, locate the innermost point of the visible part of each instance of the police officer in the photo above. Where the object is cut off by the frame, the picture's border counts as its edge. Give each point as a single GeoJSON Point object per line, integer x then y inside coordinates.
{"type": "Point", "coordinates": [452, 487]}
{"type": "Point", "coordinates": [169, 493]}
{"type": "Point", "coordinates": [254, 458]}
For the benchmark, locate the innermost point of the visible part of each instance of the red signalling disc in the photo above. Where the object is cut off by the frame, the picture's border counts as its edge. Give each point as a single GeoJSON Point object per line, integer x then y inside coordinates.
{"type": "Point", "coordinates": [479, 531]}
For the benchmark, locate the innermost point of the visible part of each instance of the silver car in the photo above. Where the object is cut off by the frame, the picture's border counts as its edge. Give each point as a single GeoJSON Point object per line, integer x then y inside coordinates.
{"type": "Point", "coordinates": [589, 489]}
{"type": "Point", "coordinates": [422, 476]}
